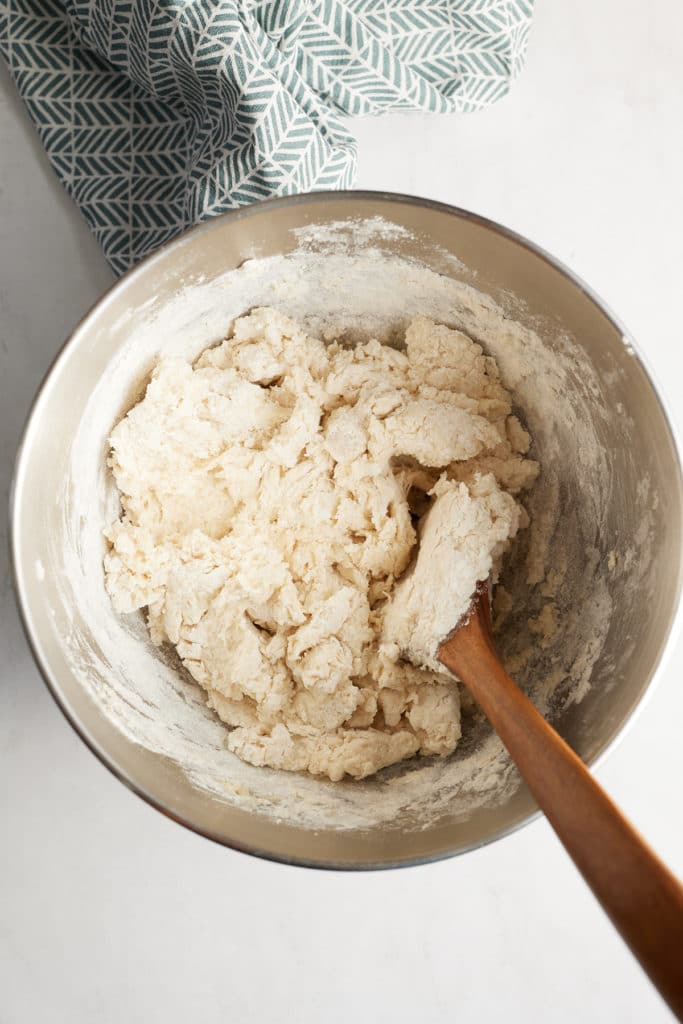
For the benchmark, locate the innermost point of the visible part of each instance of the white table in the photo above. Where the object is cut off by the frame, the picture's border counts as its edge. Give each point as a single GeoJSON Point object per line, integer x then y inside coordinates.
{"type": "Point", "coordinates": [109, 912]}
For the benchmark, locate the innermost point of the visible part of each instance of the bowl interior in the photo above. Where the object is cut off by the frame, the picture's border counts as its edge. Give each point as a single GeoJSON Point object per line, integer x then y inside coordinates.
{"type": "Point", "coordinates": [604, 548]}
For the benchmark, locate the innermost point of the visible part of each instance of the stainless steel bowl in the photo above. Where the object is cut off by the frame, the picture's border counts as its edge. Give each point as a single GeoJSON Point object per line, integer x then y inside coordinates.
{"type": "Point", "coordinates": [630, 421]}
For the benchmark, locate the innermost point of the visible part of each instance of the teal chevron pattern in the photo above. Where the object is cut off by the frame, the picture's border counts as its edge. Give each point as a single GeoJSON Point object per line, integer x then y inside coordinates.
{"type": "Point", "coordinates": [157, 114]}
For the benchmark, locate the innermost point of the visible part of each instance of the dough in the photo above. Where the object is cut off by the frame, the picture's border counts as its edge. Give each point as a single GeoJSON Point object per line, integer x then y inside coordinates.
{"type": "Point", "coordinates": [269, 499]}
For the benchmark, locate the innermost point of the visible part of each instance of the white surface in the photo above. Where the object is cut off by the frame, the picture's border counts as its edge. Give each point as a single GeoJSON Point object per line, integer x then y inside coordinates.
{"type": "Point", "coordinates": [110, 912]}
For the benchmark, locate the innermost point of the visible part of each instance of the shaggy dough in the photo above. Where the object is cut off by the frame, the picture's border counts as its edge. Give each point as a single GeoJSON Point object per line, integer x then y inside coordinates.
{"type": "Point", "coordinates": [269, 496]}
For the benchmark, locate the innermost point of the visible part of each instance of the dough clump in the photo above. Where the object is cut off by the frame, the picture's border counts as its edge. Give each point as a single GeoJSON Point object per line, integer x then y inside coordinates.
{"type": "Point", "coordinates": [272, 496]}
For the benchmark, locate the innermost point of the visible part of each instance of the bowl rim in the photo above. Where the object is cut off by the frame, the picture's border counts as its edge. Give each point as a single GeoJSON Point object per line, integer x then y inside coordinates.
{"type": "Point", "coordinates": [139, 269]}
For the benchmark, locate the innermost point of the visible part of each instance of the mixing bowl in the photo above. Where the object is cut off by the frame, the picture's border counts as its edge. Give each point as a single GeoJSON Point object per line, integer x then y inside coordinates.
{"type": "Point", "coordinates": [604, 548]}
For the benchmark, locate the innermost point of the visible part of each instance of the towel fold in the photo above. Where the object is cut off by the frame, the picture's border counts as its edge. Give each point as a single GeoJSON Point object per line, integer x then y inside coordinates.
{"type": "Point", "coordinates": [157, 114]}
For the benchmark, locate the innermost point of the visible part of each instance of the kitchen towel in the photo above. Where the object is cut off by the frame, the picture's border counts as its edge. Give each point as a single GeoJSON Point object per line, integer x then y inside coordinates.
{"type": "Point", "coordinates": [157, 114]}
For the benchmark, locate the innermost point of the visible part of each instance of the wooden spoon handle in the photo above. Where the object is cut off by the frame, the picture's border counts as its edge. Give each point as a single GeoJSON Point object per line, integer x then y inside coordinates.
{"type": "Point", "coordinates": [638, 892]}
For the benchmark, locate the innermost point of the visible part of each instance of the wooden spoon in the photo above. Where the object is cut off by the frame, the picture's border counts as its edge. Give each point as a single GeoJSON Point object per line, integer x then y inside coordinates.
{"type": "Point", "coordinates": [642, 898]}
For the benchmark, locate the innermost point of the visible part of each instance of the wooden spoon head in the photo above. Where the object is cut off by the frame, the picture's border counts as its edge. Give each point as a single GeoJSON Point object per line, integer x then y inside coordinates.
{"type": "Point", "coordinates": [474, 632]}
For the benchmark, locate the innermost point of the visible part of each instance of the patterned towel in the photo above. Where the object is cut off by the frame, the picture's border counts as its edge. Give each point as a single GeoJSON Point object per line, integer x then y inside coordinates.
{"type": "Point", "coordinates": [157, 114]}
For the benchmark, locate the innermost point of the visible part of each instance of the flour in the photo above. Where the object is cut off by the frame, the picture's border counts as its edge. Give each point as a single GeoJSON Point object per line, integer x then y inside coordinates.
{"type": "Point", "coordinates": [360, 292]}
